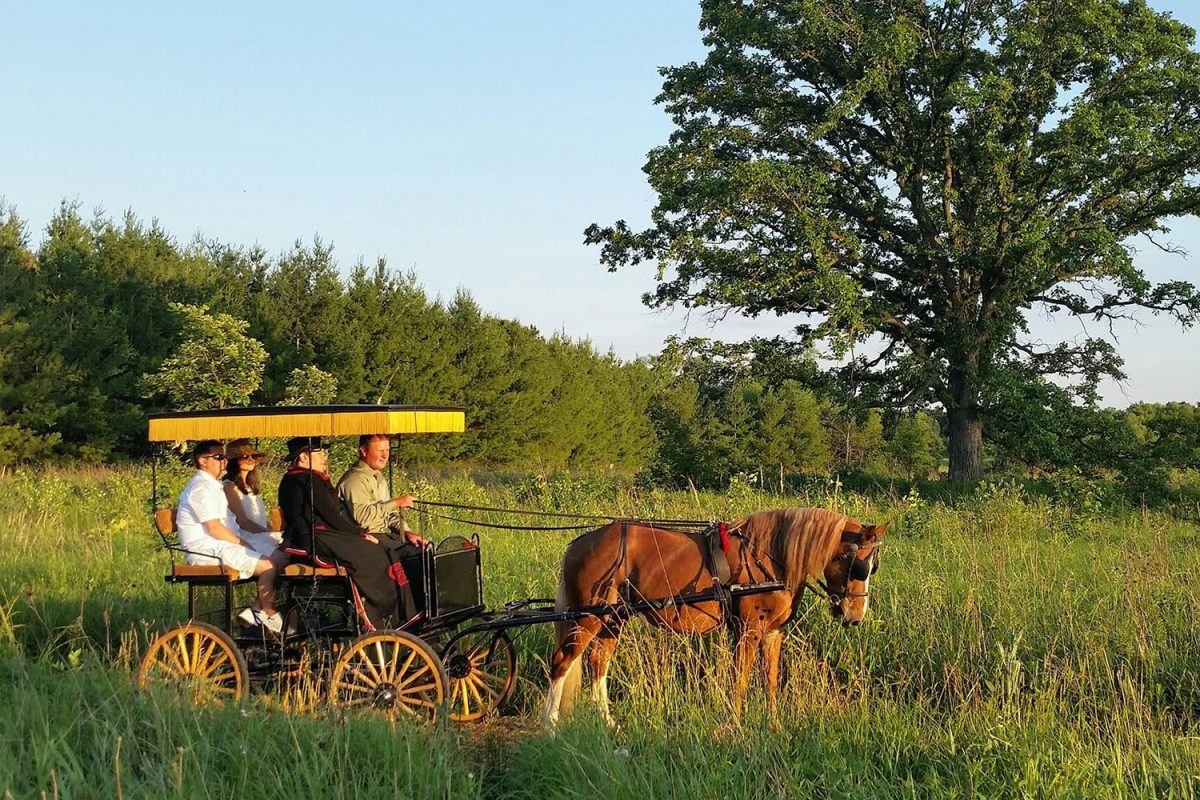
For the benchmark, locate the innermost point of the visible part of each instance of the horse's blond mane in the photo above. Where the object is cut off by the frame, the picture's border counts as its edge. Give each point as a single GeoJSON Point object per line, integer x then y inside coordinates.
{"type": "Point", "coordinates": [801, 541]}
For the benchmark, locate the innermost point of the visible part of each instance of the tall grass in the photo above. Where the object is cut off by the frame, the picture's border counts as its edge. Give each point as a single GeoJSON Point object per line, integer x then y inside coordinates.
{"type": "Point", "coordinates": [1013, 648]}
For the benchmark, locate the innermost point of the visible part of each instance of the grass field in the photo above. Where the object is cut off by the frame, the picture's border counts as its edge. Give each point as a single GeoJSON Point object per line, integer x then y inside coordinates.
{"type": "Point", "coordinates": [1013, 649]}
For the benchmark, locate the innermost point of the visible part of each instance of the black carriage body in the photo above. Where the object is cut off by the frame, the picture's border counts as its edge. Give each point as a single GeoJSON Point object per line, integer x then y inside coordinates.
{"type": "Point", "coordinates": [453, 581]}
{"type": "Point", "coordinates": [319, 602]}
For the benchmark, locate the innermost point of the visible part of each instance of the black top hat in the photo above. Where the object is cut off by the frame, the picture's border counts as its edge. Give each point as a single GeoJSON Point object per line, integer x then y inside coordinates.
{"type": "Point", "coordinates": [303, 444]}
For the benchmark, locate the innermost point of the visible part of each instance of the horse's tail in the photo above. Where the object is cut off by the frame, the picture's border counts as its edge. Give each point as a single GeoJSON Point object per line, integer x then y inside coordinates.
{"type": "Point", "coordinates": [572, 681]}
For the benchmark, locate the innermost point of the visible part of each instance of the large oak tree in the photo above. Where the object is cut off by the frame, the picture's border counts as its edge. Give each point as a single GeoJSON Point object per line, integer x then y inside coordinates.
{"type": "Point", "coordinates": [927, 173]}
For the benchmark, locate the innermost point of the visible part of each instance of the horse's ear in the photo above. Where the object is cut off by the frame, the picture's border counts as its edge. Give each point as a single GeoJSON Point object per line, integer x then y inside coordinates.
{"type": "Point", "coordinates": [873, 533]}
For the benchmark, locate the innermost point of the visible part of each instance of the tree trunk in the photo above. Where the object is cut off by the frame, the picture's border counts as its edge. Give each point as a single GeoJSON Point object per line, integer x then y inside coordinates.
{"type": "Point", "coordinates": [966, 426]}
{"type": "Point", "coordinates": [966, 444]}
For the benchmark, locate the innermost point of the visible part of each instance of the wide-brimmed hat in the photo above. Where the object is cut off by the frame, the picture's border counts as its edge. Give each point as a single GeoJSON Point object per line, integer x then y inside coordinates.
{"type": "Point", "coordinates": [240, 448]}
{"type": "Point", "coordinates": [303, 444]}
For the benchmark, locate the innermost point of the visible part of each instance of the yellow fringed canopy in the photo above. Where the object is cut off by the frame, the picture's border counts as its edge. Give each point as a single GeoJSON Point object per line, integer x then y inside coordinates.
{"type": "Point", "coordinates": [287, 421]}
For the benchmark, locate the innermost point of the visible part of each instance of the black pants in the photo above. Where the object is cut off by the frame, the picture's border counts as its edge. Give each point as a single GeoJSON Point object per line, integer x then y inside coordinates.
{"type": "Point", "coordinates": [410, 558]}
{"type": "Point", "coordinates": [387, 592]}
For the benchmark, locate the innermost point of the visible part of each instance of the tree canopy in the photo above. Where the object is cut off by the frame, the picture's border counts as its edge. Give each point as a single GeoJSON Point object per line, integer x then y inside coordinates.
{"type": "Point", "coordinates": [927, 173]}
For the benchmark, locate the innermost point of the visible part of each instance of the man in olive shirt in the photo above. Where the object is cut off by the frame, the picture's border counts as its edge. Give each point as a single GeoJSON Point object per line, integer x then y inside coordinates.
{"type": "Point", "coordinates": [364, 491]}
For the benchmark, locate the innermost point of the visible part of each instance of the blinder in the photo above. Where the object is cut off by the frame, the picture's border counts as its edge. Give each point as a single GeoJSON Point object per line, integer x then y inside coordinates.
{"type": "Point", "coordinates": [861, 569]}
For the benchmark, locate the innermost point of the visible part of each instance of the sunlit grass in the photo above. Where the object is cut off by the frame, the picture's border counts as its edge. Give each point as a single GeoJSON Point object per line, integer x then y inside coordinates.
{"type": "Point", "coordinates": [1013, 648]}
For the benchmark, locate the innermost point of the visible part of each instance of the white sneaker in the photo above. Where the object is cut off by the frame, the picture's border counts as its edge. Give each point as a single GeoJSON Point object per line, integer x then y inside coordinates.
{"type": "Point", "coordinates": [270, 622]}
{"type": "Point", "coordinates": [254, 618]}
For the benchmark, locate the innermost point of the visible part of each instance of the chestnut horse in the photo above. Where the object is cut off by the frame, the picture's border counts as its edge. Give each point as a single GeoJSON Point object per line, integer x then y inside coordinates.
{"type": "Point", "coordinates": [632, 561]}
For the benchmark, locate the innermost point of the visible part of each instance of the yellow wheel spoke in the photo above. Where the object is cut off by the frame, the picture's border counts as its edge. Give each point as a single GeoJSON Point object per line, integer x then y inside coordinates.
{"type": "Point", "coordinates": [414, 675]}
{"type": "Point", "coordinates": [466, 698]}
{"type": "Point", "coordinates": [408, 704]}
{"type": "Point", "coordinates": [216, 664]}
{"type": "Point", "coordinates": [382, 663]}
{"type": "Point", "coordinates": [179, 657]}
{"type": "Point", "coordinates": [183, 651]}
{"type": "Point", "coordinates": [170, 660]}
{"type": "Point", "coordinates": [486, 677]}
{"type": "Point", "coordinates": [362, 656]}
{"type": "Point", "coordinates": [412, 655]}
{"type": "Point", "coordinates": [425, 687]}
{"type": "Point", "coordinates": [360, 700]}
{"type": "Point", "coordinates": [477, 684]}
{"type": "Point", "coordinates": [198, 661]}
{"type": "Point", "coordinates": [483, 704]}
{"type": "Point", "coordinates": [225, 677]}
{"type": "Point", "coordinates": [194, 663]}
{"type": "Point", "coordinates": [353, 676]}
{"type": "Point", "coordinates": [206, 649]}
{"type": "Point", "coordinates": [354, 687]}
{"type": "Point", "coordinates": [392, 673]}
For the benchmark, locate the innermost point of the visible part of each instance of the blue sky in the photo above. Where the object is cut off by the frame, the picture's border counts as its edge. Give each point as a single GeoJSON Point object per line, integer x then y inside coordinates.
{"type": "Point", "coordinates": [470, 142]}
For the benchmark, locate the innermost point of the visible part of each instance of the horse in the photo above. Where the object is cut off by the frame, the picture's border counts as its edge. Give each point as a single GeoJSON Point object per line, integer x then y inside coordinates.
{"type": "Point", "coordinates": [631, 561]}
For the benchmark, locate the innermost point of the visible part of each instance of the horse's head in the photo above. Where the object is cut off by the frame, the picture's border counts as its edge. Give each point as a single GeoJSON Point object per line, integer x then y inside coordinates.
{"type": "Point", "coordinates": [848, 575]}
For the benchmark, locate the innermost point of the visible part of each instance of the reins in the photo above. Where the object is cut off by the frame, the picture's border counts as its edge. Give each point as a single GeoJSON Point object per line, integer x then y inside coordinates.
{"type": "Point", "coordinates": [422, 507]}
{"type": "Point", "coordinates": [821, 589]}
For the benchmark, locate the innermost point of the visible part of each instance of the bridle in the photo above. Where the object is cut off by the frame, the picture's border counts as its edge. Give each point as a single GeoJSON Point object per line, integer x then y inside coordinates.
{"type": "Point", "coordinates": [860, 569]}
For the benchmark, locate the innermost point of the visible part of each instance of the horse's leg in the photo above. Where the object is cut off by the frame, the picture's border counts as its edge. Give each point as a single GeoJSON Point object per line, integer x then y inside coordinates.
{"type": "Point", "coordinates": [574, 638]}
{"type": "Point", "coordinates": [747, 648]}
{"type": "Point", "coordinates": [772, 642]}
{"type": "Point", "coordinates": [603, 647]}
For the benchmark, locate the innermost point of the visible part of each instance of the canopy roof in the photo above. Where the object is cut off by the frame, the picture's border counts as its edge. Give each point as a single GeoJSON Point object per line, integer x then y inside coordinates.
{"type": "Point", "coordinates": [287, 421]}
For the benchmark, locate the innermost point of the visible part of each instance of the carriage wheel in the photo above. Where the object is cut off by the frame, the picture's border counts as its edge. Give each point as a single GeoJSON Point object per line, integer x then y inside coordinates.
{"type": "Point", "coordinates": [482, 667]}
{"type": "Point", "coordinates": [198, 658]}
{"type": "Point", "coordinates": [392, 671]}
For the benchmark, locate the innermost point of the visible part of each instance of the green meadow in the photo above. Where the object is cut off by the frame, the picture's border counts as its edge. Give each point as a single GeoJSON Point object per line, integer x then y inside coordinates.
{"type": "Point", "coordinates": [1015, 647]}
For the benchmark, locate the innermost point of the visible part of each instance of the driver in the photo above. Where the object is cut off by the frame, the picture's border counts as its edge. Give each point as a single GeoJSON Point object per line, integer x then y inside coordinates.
{"type": "Point", "coordinates": [365, 491]}
{"type": "Point", "coordinates": [313, 519]}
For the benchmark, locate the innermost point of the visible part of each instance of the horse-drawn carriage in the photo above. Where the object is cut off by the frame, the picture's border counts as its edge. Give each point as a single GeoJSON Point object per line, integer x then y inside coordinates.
{"type": "Point", "coordinates": [689, 576]}
{"type": "Point", "coordinates": [426, 666]}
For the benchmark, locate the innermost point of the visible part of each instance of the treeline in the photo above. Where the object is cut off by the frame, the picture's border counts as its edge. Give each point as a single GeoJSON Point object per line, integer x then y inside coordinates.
{"type": "Point", "coordinates": [86, 315]}
{"type": "Point", "coordinates": [93, 310]}
{"type": "Point", "coordinates": [764, 411]}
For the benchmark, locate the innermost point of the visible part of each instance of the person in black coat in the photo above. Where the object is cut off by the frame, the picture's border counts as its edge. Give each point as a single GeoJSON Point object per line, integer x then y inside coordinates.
{"type": "Point", "coordinates": [312, 510]}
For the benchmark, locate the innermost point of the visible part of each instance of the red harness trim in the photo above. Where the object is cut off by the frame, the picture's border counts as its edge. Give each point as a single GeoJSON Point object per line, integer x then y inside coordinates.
{"type": "Point", "coordinates": [723, 529]}
{"type": "Point", "coordinates": [396, 573]}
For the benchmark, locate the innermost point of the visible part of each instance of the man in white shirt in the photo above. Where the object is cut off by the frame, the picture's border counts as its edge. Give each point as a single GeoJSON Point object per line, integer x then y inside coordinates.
{"type": "Point", "coordinates": [209, 534]}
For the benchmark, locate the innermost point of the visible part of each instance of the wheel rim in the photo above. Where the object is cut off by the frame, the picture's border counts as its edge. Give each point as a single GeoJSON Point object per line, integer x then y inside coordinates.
{"type": "Point", "coordinates": [198, 659]}
{"type": "Point", "coordinates": [392, 672]}
{"type": "Point", "coordinates": [482, 668]}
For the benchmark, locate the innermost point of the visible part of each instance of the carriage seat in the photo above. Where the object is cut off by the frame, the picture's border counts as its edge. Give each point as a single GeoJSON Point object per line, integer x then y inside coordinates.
{"type": "Point", "coordinates": [305, 565]}
{"type": "Point", "coordinates": [164, 521]}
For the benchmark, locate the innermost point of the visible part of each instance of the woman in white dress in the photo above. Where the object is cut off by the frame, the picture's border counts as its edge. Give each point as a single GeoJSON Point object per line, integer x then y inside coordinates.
{"type": "Point", "coordinates": [243, 485]}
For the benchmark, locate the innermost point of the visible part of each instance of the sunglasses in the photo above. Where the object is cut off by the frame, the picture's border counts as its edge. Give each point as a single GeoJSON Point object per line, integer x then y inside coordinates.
{"type": "Point", "coordinates": [216, 456]}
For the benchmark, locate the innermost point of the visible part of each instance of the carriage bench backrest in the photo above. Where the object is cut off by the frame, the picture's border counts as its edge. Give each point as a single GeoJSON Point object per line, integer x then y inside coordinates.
{"type": "Point", "coordinates": [164, 521]}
